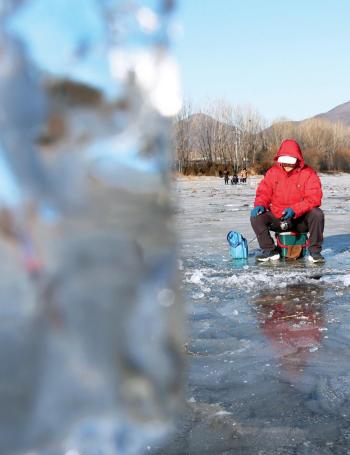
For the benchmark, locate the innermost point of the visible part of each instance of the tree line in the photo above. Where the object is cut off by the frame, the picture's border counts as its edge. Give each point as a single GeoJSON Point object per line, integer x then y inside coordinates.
{"type": "Point", "coordinates": [225, 136]}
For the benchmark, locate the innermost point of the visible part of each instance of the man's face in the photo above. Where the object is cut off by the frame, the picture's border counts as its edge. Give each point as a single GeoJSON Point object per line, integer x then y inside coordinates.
{"type": "Point", "coordinates": [287, 162]}
{"type": "Point", "coordinates": [288, 167]}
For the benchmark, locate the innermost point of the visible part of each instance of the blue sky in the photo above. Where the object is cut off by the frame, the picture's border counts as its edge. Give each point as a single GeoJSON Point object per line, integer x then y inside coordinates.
{"type": "Point", "coordinates": [283, 57]}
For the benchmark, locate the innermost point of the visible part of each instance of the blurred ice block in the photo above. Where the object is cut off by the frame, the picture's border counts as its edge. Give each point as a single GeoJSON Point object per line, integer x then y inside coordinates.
{"type": "Point", "coordinates": [91, 349]}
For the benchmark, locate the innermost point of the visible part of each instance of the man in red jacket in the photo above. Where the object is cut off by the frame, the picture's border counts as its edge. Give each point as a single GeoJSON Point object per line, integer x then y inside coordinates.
{"type": "Point", "coordinates": [290, 191]}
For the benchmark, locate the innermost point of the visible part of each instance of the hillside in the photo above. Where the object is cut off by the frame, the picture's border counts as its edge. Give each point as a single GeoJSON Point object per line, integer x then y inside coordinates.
{"type": "Point", "coordinates": [339, 113]}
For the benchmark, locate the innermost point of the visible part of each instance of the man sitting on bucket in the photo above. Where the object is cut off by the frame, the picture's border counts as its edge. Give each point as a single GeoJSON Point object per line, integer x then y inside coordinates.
{"type": "Point", "coordinates": [291, 191]}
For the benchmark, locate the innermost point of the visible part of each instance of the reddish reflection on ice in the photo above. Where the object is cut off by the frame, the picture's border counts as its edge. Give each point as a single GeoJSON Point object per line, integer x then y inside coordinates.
{"type": "Point", "coordinates": [292, 321]}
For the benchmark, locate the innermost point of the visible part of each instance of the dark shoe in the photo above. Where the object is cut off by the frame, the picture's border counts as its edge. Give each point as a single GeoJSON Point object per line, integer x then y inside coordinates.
{"type": "Point", "coordinates": [268, 255]}
{"type": "Point", "coordinates": [316, 257]}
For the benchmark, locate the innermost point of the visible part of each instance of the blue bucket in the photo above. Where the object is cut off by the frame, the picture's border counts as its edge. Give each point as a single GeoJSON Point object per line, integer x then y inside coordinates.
{"type": "Point", "coordinates": [238, 245]}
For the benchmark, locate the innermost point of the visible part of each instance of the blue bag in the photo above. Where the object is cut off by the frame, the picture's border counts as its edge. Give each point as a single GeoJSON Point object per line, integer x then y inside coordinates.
{"type": "Point", "coordinates": [238, 245]}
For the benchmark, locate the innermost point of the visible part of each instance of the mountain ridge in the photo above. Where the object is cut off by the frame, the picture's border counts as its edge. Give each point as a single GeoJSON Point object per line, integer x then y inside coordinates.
{"type": "Point", "coordinates": [338, 114]}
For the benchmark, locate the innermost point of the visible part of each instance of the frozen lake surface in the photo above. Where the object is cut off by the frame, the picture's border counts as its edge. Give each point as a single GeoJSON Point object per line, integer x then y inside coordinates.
{"type": "Point", "coordinates": [268, 345]}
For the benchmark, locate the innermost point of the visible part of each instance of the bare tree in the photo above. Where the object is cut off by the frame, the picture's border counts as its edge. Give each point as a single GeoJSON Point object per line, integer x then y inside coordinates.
{"type": "Point", "coordinates": [224, 132]}
{"type": "Point", "coordinates": [182, 145]}
{"type": "Point", "coordinates": [206, 133]}
{"type": "Point", "coordinates": [249, 138]}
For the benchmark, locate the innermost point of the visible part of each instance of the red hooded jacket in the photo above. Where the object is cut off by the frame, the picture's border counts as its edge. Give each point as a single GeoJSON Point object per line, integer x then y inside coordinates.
{"type": "Point", "coordinates": [299, 189]}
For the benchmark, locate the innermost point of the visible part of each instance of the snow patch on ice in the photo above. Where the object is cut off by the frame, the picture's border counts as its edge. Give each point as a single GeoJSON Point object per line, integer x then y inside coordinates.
{"type": "Point", "coordinates": [251, 279]}
{"type": "Point", "coordinates": [196, 278]}
{"type": "Point", "coordinates": [259, 280]}
{"type": "Point", "coordinates": [197, 295]}
{"type": "Point", "coordinates": [222, 413]}
{"type": "Point", "coordinates": [335, 279]}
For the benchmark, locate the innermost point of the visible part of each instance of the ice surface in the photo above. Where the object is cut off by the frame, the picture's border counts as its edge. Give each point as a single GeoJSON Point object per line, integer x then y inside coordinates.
{"type": "Point", "coordinates": [268, 343]}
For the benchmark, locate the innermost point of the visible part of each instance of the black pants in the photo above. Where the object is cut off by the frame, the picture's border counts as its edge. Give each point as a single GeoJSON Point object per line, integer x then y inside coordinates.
{"type": "Point", "coordinates": [311, 222]}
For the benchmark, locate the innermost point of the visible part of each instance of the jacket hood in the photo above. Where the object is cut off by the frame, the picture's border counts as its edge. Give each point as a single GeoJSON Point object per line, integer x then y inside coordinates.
{"type": "Point", "coordinates": [290, 148]}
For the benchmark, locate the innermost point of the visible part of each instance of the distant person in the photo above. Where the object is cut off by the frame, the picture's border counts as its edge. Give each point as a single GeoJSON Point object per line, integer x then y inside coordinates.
{"type": "Point", "coordinates": [226, 176]}
{"type": "Point", "coordinates": [244, 175]}
{"type": "Point", "coordinates": [290, 191]}
{"type": "Point", "coordinates": [234, 179]}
